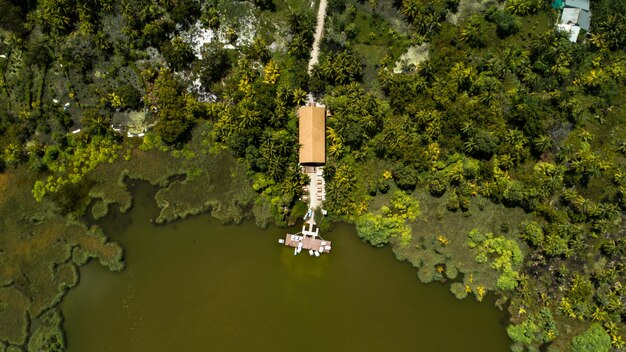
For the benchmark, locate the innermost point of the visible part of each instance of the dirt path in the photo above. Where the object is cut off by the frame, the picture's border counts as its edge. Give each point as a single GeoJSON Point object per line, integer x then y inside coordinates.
{"type": "Point", "coordinates": [319, 30]}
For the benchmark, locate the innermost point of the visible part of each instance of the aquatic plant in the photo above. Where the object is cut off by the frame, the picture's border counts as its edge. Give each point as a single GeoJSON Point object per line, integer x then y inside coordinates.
{"type": "Point", "coordinates": [33, 243]}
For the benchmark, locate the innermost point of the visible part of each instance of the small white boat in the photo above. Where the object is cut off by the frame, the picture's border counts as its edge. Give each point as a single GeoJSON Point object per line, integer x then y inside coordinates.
{"type": "Point", "coordinates": [310, 252]}
{"type": "Point", "coordinates": [299, 249]}
{"type": "Point", "coordinates": [295, 251]}
{"type": "Point", "coordinates": [317, 254]}
{"type": "Point", "coordinates": [281, 241]}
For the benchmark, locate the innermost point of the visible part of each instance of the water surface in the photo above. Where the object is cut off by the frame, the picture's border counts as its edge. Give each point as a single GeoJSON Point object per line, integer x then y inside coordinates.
{"type": "Point", "coordinates": [197, 285]}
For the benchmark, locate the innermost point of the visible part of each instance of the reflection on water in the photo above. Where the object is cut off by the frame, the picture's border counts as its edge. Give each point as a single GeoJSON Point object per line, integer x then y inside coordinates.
{"type": "Point", "coordinates": [198, 285]}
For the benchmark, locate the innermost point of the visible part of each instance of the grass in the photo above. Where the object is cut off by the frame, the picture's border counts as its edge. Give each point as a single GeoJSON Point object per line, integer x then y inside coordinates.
{"type": "Point", "coordinates": [41, 250]}
{"type": "Point", "coordinates": [13, 316]}
{"type": "Point", "coordinates": [218, 184]}
{"type": "Point", "coordinates": [37, 263]}
{"type": "Point", "coordinates": [191, 182]}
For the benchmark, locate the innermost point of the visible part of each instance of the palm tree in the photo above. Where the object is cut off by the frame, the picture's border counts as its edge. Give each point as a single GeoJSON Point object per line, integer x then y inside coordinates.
{"type": "Point", "coordinates": [471, 32]}
{"type": "Point", "coordinates": [248, 118]}
{"type": "Point", "coordinates": [276, 169]}
{"type": "Point", "coordinates": [621, 148]}
{"type": "Point", "coordinates": [411, 9]}
{"type": "Point", "coordinates": [298, 47]}
{"type": "Point", "coordinates": [470, 145]}
{"type": "Point", "coordinates": [542, 143]}
{"type": "Point", "coordinates": [608, 210]}
{"type": "Point", "coordinates": [610, 248]}
{"type": "Point", "coordinates": [611, 31]}
{"type": "Point", "coordinates": [299, 96]}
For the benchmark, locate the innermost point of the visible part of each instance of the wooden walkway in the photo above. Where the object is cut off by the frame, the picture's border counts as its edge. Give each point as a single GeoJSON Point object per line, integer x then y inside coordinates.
{"type": "Point", "coordinates": [308, 243]}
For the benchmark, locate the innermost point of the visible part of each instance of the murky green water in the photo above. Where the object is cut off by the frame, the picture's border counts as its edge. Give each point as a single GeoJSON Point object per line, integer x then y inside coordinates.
{"type": "Point", "coordinates": [196, 285]}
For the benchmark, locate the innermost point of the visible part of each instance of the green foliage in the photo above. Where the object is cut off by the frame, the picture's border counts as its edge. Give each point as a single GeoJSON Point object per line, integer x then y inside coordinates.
{"type": "Point", "coordinates": [523, 333]}
{"type": "Point", "coordinates": [336, 69]}
{"type": "Point", "coordinates": [378, 229]}
{"type": "Point", "coordinates": [214, 64]}
{"type": "Point", "coordinates": [178, 54]}
{"type": "Point", "coordinates": [473, 32]}
{"type": "Point", "coordinates": [174, 120]}
{"type": "Point", "coordinates": [437, 185]}
{"type": "Point", "coordinates": [536, 330]}
{"type": "Point", "coordinates": [506, 255]}
{"type": "Point", "coordinates": [49, 335]}
{"type": "Point", "coordinates": [533, 233]}
{"type": "Point", "coordinates": [425, 16]}
{"type": "Point", "coordinates": [130, 97]}
{"type": "Point", "coordinates": [594, 339]}
{"type": "Point", "coordinates": [357, 116]}
{"type": "Point", "coordinates": [59, 16]}
{"type": "Point", "coordinates": [392, 223]}
{"type": "Point", "coordinates": [506, 23]}
{"type": "Point", "coordinates": [524, 7]}
{"type": "Point", "coordinates": [404, 205]}
{"type": "Point", "coordinates": [78, 52]}
{"type": "Point", "coordinates": [458, 289]}
{"type": "Point", "coordinates": [185, 13]}
{"type": "Point", "coordinates": [527, 120]}
{"type": "Point", "coordinates": [405, 177]}
{"type": "Point", "coordinates": [610, 25]}
{"type": "Point", "coordinates": [73, 163]}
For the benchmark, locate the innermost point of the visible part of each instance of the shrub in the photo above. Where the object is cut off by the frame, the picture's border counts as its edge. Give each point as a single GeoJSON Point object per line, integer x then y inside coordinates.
{"type": "Point", "coordinates": [533, 233]}
{"type": "Point", "coordinates": [595, 339]}
{"type": "Point", "coordinates": [506, 23]}
{"type": "Point", "coordinates": [405, 177]}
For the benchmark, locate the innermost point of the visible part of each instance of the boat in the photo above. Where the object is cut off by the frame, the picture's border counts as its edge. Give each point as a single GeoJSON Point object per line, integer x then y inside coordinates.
{"type": "Point", "coordinates": [310, 252]}
{"type": "Point", "coordinates": [295, 251]}
{"type": "Point", "coordinates": [281, 241]}
{"type": "Point", "coordinates": [317, 254]}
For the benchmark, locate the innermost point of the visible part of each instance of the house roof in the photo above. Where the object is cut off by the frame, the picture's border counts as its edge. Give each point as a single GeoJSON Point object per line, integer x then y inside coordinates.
{"type": "Point", "coordinates": [584, 20]}
{"type": "Point", "coordinates": [581, 4]}
{"type": "Point", "coordinates": [570, 15]}
{"type": "Point", "coordinates": [572, 29]}
{"type": "Point", "coordinates": [312, 126]}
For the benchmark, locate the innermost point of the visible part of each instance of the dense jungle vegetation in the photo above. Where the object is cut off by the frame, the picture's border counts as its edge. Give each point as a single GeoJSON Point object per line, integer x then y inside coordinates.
{"type": "Point", "coordinates": [479, 142]}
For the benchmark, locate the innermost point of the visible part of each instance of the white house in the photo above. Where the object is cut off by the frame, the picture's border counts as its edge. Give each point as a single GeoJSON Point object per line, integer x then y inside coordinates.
{"type": "Point", "coordinates": [574, 17]}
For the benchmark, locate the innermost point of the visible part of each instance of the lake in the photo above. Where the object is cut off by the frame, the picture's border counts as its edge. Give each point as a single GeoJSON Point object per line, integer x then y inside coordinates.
{"type": "Point", "coordinates": [198, 285]}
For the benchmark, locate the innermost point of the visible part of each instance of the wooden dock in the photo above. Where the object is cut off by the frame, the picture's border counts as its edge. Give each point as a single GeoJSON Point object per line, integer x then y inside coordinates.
{"type": "Point", "coordinates": [308, 242]}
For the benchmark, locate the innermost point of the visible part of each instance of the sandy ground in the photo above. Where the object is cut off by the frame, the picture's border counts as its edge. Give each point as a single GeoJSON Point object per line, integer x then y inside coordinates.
{"type": "Point", "coordinates": [319, 31]}
{"type": "Point", "coordinates": [414, 55]}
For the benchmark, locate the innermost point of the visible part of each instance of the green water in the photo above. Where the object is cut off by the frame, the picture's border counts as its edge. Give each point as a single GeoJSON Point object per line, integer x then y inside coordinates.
{"type": "Point", "coordinates": [197, 285]}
